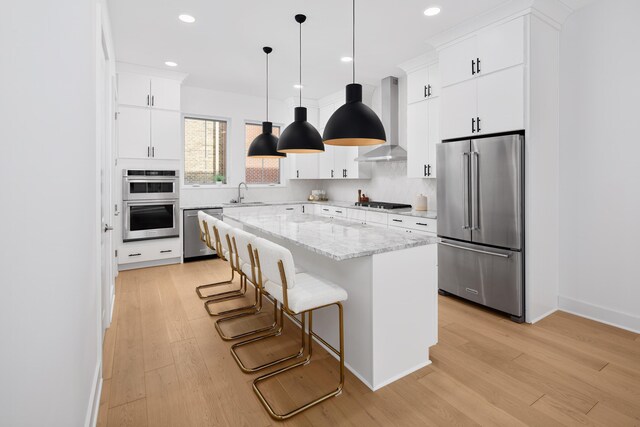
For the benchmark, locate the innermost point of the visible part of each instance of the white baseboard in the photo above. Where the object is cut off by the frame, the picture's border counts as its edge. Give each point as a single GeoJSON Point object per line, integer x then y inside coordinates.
{"type": "Point", "coordinates": [600, 314]}
{"type": "Point", "coordinates": [542, 316]}
{"type": "Point", "coordinates": [91, 419]}
{"type": "Point", "coordinates": [401, 375]}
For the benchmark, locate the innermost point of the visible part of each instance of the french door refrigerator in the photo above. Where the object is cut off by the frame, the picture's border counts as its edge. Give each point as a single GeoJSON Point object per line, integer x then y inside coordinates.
{"type": "Point", "coordinates": [481, 221]}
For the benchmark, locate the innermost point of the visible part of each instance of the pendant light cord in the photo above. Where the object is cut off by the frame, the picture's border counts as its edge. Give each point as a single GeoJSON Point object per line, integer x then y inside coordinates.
{"type": "Point", "coordinates": [300, 70]}
{"type": "Point", "coordinates": [267, 87]}
{"type": "Point", "coordinates": [353, 34]}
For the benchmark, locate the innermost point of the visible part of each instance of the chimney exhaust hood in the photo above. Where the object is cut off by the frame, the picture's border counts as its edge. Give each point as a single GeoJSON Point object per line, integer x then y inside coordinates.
{"type": "Point", "coordinates": [391, 151]}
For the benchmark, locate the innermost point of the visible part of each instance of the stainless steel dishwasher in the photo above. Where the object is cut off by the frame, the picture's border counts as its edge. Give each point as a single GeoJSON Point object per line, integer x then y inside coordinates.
{"type": "Point", "coordinates": [194, 248]}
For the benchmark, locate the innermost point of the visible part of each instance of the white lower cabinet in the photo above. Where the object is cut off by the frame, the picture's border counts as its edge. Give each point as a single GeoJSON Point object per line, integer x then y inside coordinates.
{"type": "Point", "coordinates": [149, 250]}
{"type": "Point", "coordinates": [413, 223]}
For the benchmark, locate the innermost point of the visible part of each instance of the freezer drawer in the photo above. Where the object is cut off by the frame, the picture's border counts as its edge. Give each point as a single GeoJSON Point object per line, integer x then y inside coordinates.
{"type": "Point", "coordinates": [491, 277]}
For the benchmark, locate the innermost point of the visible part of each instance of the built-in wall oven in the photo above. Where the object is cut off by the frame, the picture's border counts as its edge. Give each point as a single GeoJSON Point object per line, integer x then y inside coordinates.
{"type": "Point", "coordinates": [151, 203]}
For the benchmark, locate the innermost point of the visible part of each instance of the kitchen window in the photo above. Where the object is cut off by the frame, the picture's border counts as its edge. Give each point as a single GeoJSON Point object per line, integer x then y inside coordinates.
{"type": "Point", "coordinates": [205, 150]}
{"type": "Point", "coordinates": [260, 171]}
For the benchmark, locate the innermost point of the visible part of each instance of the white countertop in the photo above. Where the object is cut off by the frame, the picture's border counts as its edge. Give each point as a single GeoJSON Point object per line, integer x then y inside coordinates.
{"type": "Point", "coordinates": [332, 237]}
{"type": "Point", "coordinates": [350, 205]}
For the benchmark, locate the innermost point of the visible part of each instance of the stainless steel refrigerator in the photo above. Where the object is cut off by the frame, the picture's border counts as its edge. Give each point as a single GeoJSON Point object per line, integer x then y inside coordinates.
{"type": "Point", "coordinates": [481, 221]}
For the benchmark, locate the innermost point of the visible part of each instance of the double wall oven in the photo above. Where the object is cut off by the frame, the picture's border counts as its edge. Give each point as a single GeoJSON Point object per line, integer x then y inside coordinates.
{"type": "Point", "coordinates": [151, 204]}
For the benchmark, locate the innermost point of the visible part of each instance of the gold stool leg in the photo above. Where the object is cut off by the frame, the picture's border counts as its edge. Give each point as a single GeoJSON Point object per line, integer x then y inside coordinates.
{"type": "Point", "coordinates": [232, 293]}
{"type": "Point", "coordinates": [243, 287]}
{"type": "Point", "coordinates": [272, 328]}
{"type": "Point", "coordinates": [275, 333]}
{"type": "Point", "coordinates": [313, 402]}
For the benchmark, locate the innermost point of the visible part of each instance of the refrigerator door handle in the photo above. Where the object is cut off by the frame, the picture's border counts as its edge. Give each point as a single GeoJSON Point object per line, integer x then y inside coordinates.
{"type": "Point", "coordinates": [465, 190]}
{"type": "Point", "coordinates": [476, 250]}
{"type": "Point", "coordinates": [475, 187]}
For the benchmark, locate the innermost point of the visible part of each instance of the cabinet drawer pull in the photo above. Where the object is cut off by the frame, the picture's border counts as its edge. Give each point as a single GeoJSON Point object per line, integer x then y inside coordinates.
{"type": "Point", "coordinates": [166, 251]}
{"type": "Point", "coordinates": [397, 220]}
{"type": "Point", "coordinates": [326, 210]}
{"type": "Point", "coordinates": [422, 224]}
{"type": "Point", "coordinates": [138, 254]}
{"type": "Point", "coordinates": [338, 211]}
{"type": "Point", "coordinates": [289, 209]}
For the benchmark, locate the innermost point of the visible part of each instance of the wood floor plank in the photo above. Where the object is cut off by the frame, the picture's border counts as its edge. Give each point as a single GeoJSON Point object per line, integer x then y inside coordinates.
{"type": "Point", "coordinates": [127, 379]}
{"type": "Point", "coordinates": [486, 369]}
{"type": "Point", "coordinates": [132, 414]}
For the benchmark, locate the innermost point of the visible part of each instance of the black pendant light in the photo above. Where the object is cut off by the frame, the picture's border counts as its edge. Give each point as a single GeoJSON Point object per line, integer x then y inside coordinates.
{"type": "Point", "coordinates": [354, 124]}
{"type": "Point", "coordinates": [300, 136]}
{"type": "Point", "coordinates": [265, 145]}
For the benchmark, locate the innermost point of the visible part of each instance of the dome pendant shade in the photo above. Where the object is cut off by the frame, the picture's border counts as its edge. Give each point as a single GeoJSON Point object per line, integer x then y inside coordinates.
{"type": "Point", "coordinates": [300, 136]}
{"type": "Point", "coordinates": [265, 145]}
{"type": "Point", "coordinates": [354, 124]}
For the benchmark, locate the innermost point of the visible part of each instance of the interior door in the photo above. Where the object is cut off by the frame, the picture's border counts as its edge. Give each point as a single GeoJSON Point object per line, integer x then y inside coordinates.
{"type": "Point", "coordinates": [453, 190]}
{"type": "Point", "coordinates": [496, 195]}
{"type": "Point", "coordinates": [417, 139]}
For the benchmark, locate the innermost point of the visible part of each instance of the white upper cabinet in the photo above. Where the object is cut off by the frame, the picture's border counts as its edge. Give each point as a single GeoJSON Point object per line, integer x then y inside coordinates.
{"type": "Point", "coordinates": [303, 166]}
{"type": "Point", "coordinates": [433, 135]}
{"type": "Point", "coordinates": [456, 61]}
{"type": "Point", "coordinates": [483, 82]}
{"type": "Point", "coordinates": [459, 109]}
{"type": "Point", "coordinates": [501, 47]}
{"type": "Point", "coordinates": [165, 94]}
{"type": "Point", "coordinates": [134, 90]}
{"type": "Point", "coordinates": [501, 101]}
{"type": "Point", "coordinates": [149, 121]}
{"type": "Point", "coordinates": [326, 169]}
{"type": "Point", "coordinates": [423, 134]}
{"type": "Point", "coordinates": [423, 83]}
{"type": "Point", "coordinates": [484, 52]}
{"type": "Point", "coordinates": [165, 135]}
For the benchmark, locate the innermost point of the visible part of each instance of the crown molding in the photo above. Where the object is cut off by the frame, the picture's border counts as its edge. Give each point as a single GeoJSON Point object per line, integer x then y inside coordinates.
{"type": "Point", "coordinates": [427, 58]}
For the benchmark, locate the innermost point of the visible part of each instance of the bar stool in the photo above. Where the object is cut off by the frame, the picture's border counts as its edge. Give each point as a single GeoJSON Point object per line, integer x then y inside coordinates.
{"type": "Point", "coordinates": [243, 246]}
{"type": "Point", "coordinates": [299, 294]}
{"type": "Point", "coordinates": [224, 233]}
{"type": "Point", "coordinates": [213, 243]}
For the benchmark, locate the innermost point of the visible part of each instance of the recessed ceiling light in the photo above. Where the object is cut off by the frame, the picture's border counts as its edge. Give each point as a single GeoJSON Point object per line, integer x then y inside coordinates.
{"type": "Point", "coordinates": [432, 11]}
{"type": "Point", "coordinates": [187, 18]}
{"type": "Point", "coordinates": [297, 86]}
{"type": "Point", "coordinates": [170, 64]}
{"type": "Point", "coordinates": [346, 59]}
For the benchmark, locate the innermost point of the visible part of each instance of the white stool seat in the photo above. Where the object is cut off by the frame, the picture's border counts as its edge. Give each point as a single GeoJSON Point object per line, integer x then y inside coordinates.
{"type": "Point", "coordinates": [246, 269]}
{"type": "Point", "coordinates": [309, 292]}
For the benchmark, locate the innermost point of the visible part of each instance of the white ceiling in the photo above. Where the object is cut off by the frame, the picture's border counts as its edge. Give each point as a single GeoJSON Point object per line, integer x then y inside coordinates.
{"type": "Point", "coordinates": [222, 50]}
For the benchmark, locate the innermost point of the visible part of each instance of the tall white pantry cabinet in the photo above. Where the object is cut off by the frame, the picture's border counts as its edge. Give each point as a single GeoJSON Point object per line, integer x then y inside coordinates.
{"type": "Point", "coordinates": [501, 77]}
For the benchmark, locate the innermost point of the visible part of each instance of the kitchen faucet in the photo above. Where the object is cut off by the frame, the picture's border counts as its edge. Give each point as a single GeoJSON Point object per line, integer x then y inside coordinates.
{"type": "Point", "coordinates": [239, 199]}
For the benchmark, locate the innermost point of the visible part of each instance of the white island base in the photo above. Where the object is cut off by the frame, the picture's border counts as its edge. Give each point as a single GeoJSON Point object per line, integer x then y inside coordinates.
{"type": "Point", "coordinates": [391, 315]}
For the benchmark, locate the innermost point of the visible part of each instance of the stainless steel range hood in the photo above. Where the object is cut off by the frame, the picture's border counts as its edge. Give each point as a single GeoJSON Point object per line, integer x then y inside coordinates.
{"type": "Point", "coordinates": [390, 151]}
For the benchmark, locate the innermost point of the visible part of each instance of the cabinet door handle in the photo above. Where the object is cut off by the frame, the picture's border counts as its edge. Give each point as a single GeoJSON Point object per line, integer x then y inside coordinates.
{"type": "Point", "coordinates": [297, 174]}
{"type": "Point", "coordinates": [473, 67]}
{"type": "Point", "coordinates": [331, 173]}
{"type": "Point", "coordinates": [153, 151]}
{"type": "Point", "coordinates": [148, 151]}
{"type": "Point", "coordinates": [153, 100]}
{"type": "Point", "coordinates": [429, 90]}
{"type": "Point", "coordinates": [425, 170]}
{"type": "Point", "coordinates": [138, 254]}
{"type": "Point", "coordinates": [428, 170]}
{"type": "Point", "coordinates": [478, 65]}
{"type": "Point", "coordinates": [426, 91]}
{"type": "Point", "coordinates": [473, 125]}
{"type": "Point", "coordinates": [478, 121]}
{"type": "Point", "coordinates": [166, 251]}
{"type": "Point", "coordinates": [147, 99]}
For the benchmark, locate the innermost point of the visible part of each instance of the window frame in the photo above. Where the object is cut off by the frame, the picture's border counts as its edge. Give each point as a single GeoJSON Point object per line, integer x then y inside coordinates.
{"type": "Point", "coordinates": [244, 158]}
{"type": "Point", "coordinates": [227, 156]}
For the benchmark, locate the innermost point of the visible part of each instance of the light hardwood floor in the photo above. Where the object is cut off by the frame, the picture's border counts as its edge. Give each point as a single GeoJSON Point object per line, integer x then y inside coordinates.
{"type": "Point", "coordinates": [165, 365]}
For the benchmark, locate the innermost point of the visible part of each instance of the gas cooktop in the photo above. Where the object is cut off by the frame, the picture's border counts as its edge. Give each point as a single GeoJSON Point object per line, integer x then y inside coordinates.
{"type": "Point", "coordinates": [382, 205]}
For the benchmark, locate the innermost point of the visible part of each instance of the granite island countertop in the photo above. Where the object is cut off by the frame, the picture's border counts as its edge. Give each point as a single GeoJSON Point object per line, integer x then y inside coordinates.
{"type": "Point", "coordinates": [335, 238]}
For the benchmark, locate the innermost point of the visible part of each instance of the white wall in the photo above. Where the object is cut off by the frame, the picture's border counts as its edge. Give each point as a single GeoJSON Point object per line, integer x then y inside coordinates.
{"type": "Point", "coordinates": [389, 182]}
{"type": "Point", "coordinates": [238, 109]}
{"type": "Point", "coordinates": [49, 316]}
{"type": "Point", "coordinates": [599, 163]}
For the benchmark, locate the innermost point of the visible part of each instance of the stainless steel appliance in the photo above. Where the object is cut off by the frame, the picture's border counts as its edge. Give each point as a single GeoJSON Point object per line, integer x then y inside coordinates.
{"type": "Point", "coordinates": [151, 204]}
{"type": "Point", "coordinates": [481, 221]}
{"type": "Point", "coordinates": [382, 205]}
{"type": "Point", "coordinates": [194, 248]}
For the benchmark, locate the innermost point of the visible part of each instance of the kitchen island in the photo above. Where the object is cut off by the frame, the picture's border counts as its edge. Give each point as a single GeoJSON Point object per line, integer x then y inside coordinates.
{"type": "Point", "coordinates": [390, 276]}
